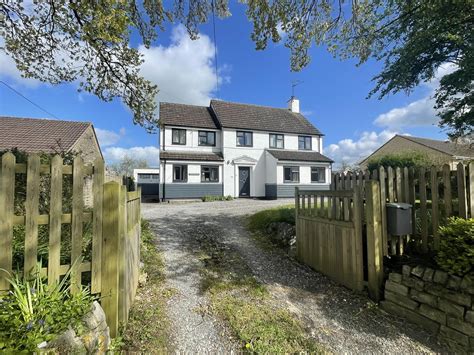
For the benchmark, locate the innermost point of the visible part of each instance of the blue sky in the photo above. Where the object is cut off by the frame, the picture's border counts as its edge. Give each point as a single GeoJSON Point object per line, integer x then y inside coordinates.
{"type": "Point", "coordinates": [332, 93]}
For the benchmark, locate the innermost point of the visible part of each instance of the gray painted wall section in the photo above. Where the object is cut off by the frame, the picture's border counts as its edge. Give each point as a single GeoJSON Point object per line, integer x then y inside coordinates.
{"type": "Point", "coordinates": [190, 190]}
{"type": "Point", "coordinates": [288, 190]}
{"type": "Point", "coordinates": [271, 191]}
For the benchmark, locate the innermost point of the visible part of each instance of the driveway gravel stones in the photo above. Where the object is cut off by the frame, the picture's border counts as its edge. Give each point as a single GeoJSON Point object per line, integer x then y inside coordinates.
{"type": "Point", "coordinates": [338, 318]}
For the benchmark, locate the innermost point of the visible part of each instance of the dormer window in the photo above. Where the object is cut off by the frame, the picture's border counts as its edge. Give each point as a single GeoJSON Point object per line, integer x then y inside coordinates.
{"type": "Point", "coordinates": [277, 141]}
{"type": "Point", "coordinates": [304, 142]}
{"type": "Point", "coordinates": [207, 138]}
{"type": "Point", "coordinates": [178, 136]}
{"type": "Point", "coordinates": [244, 139]}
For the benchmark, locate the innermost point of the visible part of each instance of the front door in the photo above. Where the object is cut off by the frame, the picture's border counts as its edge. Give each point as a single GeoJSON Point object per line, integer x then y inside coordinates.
{"type": "Point", "coordinates": [244, 181]}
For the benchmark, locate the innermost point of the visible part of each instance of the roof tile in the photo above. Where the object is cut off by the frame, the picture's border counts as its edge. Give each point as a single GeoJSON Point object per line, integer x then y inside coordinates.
{"type": "Point", "coordinates": [292, 155]}
{"type": "Point", "coordinates": [34, 135]}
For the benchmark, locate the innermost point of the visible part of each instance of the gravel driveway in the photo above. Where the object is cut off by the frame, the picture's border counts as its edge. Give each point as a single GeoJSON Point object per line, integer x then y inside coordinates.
{"type": "Point", "coordinates": [338, 318]}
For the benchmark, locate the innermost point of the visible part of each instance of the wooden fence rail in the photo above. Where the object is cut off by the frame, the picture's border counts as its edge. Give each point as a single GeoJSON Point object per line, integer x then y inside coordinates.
{"type": "Point", "coordinates": [112, 270]}
{"type": "Point", "coordinates": [436, 194]}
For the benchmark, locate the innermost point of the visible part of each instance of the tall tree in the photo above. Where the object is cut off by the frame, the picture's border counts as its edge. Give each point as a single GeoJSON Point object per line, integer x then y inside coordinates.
{"type": "Point", "coordinates": [127, 164]}
{"type": "Point", "coordinates": [89, 42]}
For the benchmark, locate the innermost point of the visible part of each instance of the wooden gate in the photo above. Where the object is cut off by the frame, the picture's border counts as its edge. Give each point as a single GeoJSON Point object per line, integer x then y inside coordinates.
{"type": "Point", "coordinates": [329, 234]}
{"type": "Point", "coordinates": [334, 229]}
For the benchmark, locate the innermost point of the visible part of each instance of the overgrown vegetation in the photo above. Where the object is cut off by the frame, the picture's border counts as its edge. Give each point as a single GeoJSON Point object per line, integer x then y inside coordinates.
{"type": "Point", "coordinates": [245, 305]}
{"type": "Point", "coordinates": [260, 220]}
{"type": "Point", "coordinates": [402, 160]}
{"type": "Point", "coordinates": [210, 198]}
{"type": "Point", "coordinates": [35, 312]}
{"type": "Point", "coordinates": [147, 330]}
{"type": "Point", "coordinates": [456, 253]}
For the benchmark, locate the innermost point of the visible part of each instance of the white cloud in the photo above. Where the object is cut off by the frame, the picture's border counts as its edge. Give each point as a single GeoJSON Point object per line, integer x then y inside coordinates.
{"type": "Point", "coordinates": [417, 113]}
{"type": "Point", "coordinates": [107, 138]}
{"type": "Point", "coordinates": [149, 153]}
{"type": "Point", "coordinates": [184, 71]}
{"type": "Point", "coordinates": [349, 151]}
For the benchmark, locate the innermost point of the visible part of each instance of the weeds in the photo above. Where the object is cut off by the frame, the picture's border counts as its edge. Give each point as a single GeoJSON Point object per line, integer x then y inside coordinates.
{"type": "Point", "coordinates": [245, 305]}
{"type": "Point", "coordinates": [147, 330]}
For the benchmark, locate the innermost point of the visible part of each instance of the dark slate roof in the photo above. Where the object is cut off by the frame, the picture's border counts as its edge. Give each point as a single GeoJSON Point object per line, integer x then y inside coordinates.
{"type": "Point", "coordinates": [201, 156]}
{"type": "Point", "coordinates": [293, 155]}
{"type": "Point", "coordinates": [447, 147]}
{"type": "Point", "coordinates": [245, 116]}
{"type": "Point", "coordinates": [186, 115]}
{"type": "Point", "coordinates": [33, 135]}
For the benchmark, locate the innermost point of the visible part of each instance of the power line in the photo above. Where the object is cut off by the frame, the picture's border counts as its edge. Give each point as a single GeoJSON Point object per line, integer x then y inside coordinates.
{"type": "Point", "coordinates": [215, 44]}
{"type": "Point", "coordinates": [27, 99]}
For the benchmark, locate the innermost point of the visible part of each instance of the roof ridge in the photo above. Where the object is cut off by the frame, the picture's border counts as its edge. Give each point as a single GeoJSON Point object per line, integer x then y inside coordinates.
{"type": "Point", "coordinates": [45, 119]}
{"type": "Point", "coordinates": [255, 105]}
{"type": "Point", "coordinates": [410, 138]}
{"type": "Point", "coordinates": [178, 103]}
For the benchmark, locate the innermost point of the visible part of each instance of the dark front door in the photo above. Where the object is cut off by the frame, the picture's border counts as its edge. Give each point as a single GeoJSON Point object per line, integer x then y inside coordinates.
{"type": "Point", "coordinates": [244, 182]}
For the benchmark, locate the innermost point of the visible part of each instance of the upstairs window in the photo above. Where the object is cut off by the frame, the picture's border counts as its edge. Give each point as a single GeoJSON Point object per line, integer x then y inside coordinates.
{"type": "Point", "coordinates": [277, 141]}
{"type": "Point", "coordinates": [304, 142]}
{"type": "Point", "coordinates": [244, 139]}
{"type": "Point", "coordinates": [209, 173]}
{"type": "Point", "coordinates": [178, 136]}
{"type": "Point", "coordinates": [318, 174]}
{"type": "Point", "coordinates": [291, 174]}
{"type": "Point", "coordinates": [207, 138]}
{"type": "Point", "coordinates": [180, 173]}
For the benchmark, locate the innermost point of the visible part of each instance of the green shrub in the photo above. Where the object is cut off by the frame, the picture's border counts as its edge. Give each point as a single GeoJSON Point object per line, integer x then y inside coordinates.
{"type": "Point", "coordinates": [401, 160]}
{"type": "Point", "coordinates": [260, 220]}
{"type": "Point", "coordinates": [34, 312]}
{"type": "Point", "coordinates": [210, 198]}
{"type": "Point", "coordinates": [456, 253]}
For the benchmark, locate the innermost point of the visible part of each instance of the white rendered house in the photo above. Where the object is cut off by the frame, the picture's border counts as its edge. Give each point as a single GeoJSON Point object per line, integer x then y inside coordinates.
{"type": "Point", "coordinates": [239, 150]}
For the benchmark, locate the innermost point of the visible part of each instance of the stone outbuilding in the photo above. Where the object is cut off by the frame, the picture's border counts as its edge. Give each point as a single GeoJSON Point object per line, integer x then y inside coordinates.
{"type": "Point", "coordinates": [33, 135]}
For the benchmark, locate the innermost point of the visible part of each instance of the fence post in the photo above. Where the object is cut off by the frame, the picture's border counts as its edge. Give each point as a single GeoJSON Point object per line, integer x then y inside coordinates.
{"type": "Point", "coordinates": [471, 188]}
{"type": "Point", "coordinates": [358, 259]}
{"type": "Point", "coordinates": [110, 255]}
{"type": "Point", "coordinates": [123, 250]}
{"type": "Point", "coordinates": [7, 196]}
{"type": "Point", "coordinates": [462, 191]}
{"type": "Point", "coordinates": [374, 240]}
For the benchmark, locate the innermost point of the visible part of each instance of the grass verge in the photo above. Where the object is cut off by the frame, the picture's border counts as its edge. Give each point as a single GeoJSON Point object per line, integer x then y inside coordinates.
{"type": "Point", "coordinates": [147, 330]}
{"type": "Point", "coordinates": [245, 305]}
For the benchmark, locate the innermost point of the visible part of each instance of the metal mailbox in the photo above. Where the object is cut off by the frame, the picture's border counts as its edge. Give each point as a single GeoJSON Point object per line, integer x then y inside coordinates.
{"type": "Point", "coordinates": [399, 221]}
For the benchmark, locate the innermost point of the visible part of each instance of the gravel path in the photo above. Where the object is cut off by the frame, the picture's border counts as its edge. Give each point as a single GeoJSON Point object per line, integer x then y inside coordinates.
{"type": "Point", "coordinates": [338, 318]}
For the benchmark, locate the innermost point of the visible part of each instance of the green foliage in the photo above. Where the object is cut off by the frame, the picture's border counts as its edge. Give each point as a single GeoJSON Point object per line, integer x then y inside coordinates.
{"type": "Point", "coordinates": [34, 312]}
{"type": "Point", "coordinates": [260, 220]}
{"type": "Point", "coordinates": [401, 160]}
{"type": "Point", "coordinates": [210, 198]}
{"type": "Point", "coordinates": [456, 253]}
{"type": "Point", "coordinates": [413, 38]}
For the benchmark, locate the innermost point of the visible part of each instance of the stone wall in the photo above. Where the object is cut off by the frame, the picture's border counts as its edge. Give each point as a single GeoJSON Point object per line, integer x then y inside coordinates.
{"type": "Point", "coordinates": [94, 337]}
{"type": "Point", "coordinates": [442, 304]}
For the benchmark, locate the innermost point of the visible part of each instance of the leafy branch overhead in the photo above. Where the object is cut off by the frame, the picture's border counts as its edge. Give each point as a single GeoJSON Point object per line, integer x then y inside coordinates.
{"type": "Point", "coordinates": [89, 42]}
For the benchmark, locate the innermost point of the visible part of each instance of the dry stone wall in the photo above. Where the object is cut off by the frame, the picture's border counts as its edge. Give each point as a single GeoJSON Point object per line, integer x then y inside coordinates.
{"type": "Point", "coordinates": [442, 304]}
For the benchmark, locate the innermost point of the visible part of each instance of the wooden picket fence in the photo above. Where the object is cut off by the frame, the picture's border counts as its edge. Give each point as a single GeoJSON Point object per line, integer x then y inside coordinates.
{"type": "Point", "coordinates": [113, 269]}
{"type": "Point", "coordinates": [435, 194]}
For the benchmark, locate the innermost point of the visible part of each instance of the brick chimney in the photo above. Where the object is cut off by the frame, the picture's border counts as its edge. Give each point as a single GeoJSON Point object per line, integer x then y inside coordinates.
{"type": "Point", "coordinates": [294, 105]}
